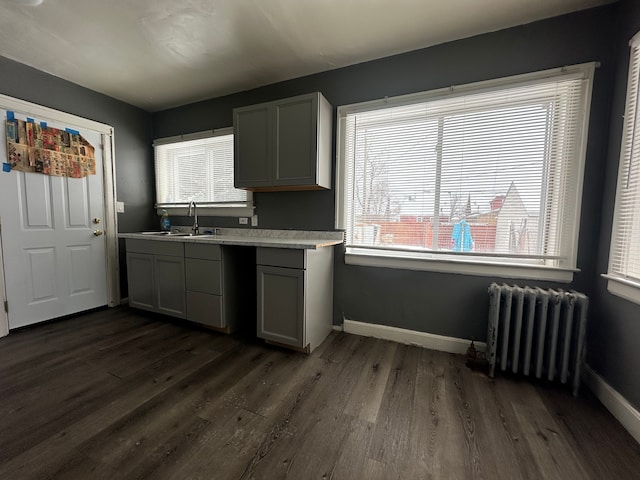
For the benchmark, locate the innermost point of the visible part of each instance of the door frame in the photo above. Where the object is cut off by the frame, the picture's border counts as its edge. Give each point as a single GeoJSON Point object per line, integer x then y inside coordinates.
{"type": "Point", "coordinates": [43, 113]}
{"type": "Point", "coordinates": [4, 318]}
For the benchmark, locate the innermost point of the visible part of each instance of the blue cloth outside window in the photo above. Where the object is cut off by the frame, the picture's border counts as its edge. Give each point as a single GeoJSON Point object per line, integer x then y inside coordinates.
{"type": "Point", "coordinates": [461, 237]}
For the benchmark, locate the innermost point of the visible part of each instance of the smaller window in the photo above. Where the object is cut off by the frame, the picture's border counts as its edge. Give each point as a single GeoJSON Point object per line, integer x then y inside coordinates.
{"type": "Point", "coordinates": [624, 256]}
{"type": "Point", "coordinates": [199, 167]}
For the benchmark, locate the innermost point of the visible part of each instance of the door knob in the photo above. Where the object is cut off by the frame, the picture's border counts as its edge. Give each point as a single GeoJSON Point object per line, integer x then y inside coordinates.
{"type": "Point", "coordinates": [97, 233]}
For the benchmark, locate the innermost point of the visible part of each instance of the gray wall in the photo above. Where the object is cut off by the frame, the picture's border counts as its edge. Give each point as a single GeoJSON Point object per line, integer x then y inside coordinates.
{"type": "Point", "coordinates": [132, 127]}
{"type": "Point", "coordinates": [444, 304]}
{"type": "Point", "coordinates": [614, 322]}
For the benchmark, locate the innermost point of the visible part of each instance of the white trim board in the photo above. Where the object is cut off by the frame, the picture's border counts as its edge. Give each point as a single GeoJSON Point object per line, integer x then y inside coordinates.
{"type": "Point", "coordinates": [51, 114]}
{"type": "Point", "coordinates": [619, 407]}
{"type": "Point", "coordinates": [4, 320]}
{"type": "Point", "coordinates": [411, 337]}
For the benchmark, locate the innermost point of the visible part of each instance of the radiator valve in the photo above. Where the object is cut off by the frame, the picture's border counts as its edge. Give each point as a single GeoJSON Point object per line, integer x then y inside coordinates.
{"type": "Point", "coordinates": [475, 359]}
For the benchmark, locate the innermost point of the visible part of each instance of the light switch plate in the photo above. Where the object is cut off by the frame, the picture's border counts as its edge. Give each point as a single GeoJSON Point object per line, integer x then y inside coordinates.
{"type": "Point", "coordinates": [119, 207]}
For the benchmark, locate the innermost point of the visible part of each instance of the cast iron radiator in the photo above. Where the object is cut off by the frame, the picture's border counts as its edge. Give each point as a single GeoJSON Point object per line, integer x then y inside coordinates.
{"type": "Point", "coordinates": [537, 332]}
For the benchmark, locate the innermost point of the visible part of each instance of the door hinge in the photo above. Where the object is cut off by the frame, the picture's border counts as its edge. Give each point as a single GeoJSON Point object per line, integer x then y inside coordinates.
{"type": "Point", "coordinates": [6, 306]}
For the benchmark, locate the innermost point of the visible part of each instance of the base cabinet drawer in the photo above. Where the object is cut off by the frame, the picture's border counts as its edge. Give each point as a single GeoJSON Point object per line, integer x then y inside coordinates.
{"type": "Point", "coordinates": [204, 276]}
{"type": "Point", "coordinates": [216, 282]}
{"type": "Point", "coordinates": [205, 309]}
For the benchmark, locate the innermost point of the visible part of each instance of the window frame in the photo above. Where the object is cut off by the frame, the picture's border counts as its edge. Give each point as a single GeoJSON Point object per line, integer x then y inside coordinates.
{"type": "Point", "coordinates": [234, 209]}
{"type": "Point", "coordinates": [621, 284]}
{"type": "Point", "coordinates": [472, 264]}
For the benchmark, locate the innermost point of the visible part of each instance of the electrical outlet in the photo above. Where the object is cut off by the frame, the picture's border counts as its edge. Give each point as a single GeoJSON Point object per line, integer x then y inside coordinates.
{"type": "Point", "coordinates": [254, 221]}
{"type": "Point", "coordinates": [243, 221]}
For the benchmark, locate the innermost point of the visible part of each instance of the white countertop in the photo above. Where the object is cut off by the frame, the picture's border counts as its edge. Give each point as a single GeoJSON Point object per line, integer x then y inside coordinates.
{"type": "Point", "coordinates": [300, 239]}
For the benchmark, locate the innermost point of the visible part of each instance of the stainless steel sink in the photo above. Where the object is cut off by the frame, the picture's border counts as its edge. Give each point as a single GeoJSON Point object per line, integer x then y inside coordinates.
{"type": "Point", "coordinates": [168, 234]}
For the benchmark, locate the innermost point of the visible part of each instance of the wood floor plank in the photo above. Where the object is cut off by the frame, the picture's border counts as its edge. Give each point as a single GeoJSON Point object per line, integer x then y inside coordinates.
{"type": "Point", "coordinates": [46, 410]}
{"type": "Point", "coordinates": [124, 394]}
{"type": "Point", "coordinates": [423, 436]}
{"type": "Point", "coordinates": [224, 447]}
{"type": "Point", "coordinates": [46, 456]}
{"type": "Point", "coordinates": [138, 434]}
{"type": "Point", "coordinates": [311, 416]}
{"type": "Point", "coordinates": [588, 428]}
{"type": "Point", "coordinates": [366, 397]}
{"type": "Point", "coordinates": [504, 431]}
{"type": "Point", "coordinates": [353, 460]}
{"type": "Point", "coordinates": [550, 449]}
{"type": "Point", "coordinates": [391, 435]}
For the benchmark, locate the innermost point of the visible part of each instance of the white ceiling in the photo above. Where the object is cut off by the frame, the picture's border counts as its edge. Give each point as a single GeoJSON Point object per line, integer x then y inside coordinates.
{"type": "Point", "coordinates": [163, 53]}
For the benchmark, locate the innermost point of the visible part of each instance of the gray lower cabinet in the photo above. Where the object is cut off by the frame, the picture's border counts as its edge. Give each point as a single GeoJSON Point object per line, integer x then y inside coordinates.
{"type": "Point", "coordinates": [295, 296]}
{"type": "Point", "coordinates": [155, 275]}
{"type": "Point", "coordinates": [204, 283]}
{"type": "Point", "coordinates": [140, 279]}
{"type": "Point", "coordinates": [205, 299]}
{"type": "Point", "coordinates": [218, 286]}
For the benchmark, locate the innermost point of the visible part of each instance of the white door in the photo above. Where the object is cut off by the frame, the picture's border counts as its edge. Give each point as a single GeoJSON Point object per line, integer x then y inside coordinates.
{"type": "Point", "coordinates": [54, 250]}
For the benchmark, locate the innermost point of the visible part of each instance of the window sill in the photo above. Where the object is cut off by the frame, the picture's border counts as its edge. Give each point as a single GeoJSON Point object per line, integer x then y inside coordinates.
{"type": "Point", "coordinates": [481, 268]}
{"type": "Point", "coordinates": [204, 211]}
{"type": "Point", "coordinates": [620, 287]}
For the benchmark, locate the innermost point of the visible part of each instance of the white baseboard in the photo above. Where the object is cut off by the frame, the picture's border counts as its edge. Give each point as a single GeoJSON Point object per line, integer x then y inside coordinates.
{"type": "Point", "coordinates": [411, 337]}
{"type": "Point", "coordinates": [619, 407]}
{"type": "Point", "coordinates": [124, 301]}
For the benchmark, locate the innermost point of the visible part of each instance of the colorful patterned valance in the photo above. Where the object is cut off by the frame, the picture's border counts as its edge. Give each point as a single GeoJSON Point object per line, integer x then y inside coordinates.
{"type": "Point", "coordinates": [35, 147]}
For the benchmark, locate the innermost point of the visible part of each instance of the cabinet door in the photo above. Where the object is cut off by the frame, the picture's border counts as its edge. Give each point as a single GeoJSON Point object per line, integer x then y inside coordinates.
{"type": "Point", "coordinates": [140, 280]}
{"type": "Point", "coordinates": [253, 147]}
{"type": "Point", "coordinates": [281, 305]}
{"type": "Point", "coordinates": [170, 285]}
{"type": "Point", "coordinates": [296, 141]}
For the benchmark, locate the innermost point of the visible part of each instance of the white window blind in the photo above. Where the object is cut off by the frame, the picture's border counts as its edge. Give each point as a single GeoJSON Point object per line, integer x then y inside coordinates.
{"type": "Point", "coordinates": [624, 257]}
{"type": "Point", "coordinates": [197, 167]}
{"type": "Point", "coordinates": [489, 171]}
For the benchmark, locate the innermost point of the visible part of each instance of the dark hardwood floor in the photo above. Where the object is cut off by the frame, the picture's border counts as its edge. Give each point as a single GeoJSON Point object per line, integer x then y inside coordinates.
{"type": "Point", "coordinates": [118, 394]}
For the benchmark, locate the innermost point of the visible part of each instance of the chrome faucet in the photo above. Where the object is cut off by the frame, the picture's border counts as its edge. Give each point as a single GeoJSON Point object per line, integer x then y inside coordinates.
{"type": "Point", "coordinates": [195, 228]}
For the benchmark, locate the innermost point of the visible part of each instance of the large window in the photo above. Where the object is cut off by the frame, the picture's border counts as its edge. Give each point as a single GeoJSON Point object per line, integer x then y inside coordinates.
{"type": "Point", "coordinates": [482, 174]}
{"type": "Point", "coordinates": [624, 257]}
{"type": "Point", "coordinates": [199, 167]}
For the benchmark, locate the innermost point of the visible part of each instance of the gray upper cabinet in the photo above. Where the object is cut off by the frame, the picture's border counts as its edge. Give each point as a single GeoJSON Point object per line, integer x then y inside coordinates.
{"type": "Point", "coordinates": [253, 144]}
{"type": "Point", "coordinates": [284, 145]}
